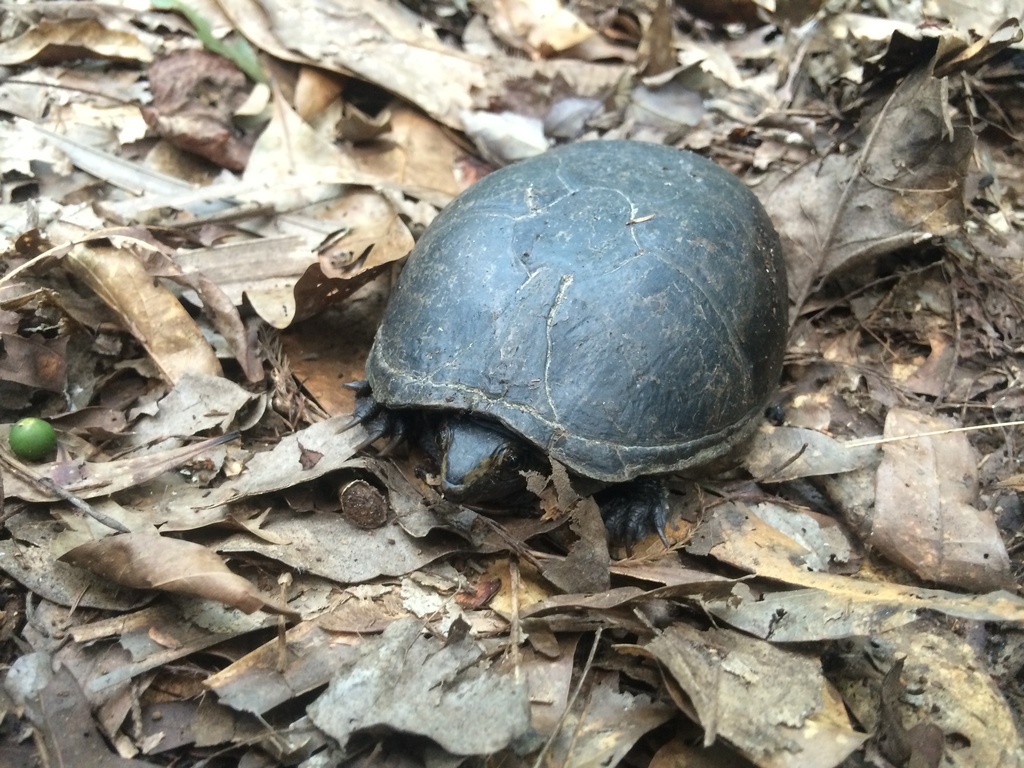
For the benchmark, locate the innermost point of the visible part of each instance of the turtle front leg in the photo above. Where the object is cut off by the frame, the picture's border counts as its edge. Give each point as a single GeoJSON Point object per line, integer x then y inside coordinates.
{"type": "Point", "coordinates": [635, 509]}
{"type": "Point", "coordinates": [378, 420]}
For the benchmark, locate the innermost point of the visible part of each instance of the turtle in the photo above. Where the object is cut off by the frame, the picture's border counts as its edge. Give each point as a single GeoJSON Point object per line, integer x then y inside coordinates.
{"type": "Point", "coordinates": [616, 306]}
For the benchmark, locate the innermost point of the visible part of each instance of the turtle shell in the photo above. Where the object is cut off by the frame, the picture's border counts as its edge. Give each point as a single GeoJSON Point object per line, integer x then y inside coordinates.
{"type": "Point", "coordinates": [620, 305]}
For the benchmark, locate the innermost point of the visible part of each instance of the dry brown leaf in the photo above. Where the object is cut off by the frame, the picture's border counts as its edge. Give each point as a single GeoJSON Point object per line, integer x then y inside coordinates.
{"type": "Point", "coordinates": [90, 479]}
{"type": "Point", "coordinates": [832, 605]}
{"type": "Point", "coordinates": [35, 567]}
{"type": "Point", "coordinates": [549, 673]}
{"type": "Point", "coordinates": [904, 186]}
{"type": "Point", "coordinates": [144, 561]}
{"type": "Point", "coordinates": [973, 56]}
{"type": "Point", "coordinates": [196, 403]}
{"type": "Point", "coordinates": [605, 724]}
{"type": "Point", "coordinates": [786, 453]}
{"type": "Point", "coordinates": [529, 590]}
{"type": "Point", "coordinates": [949, 685]}
{"type": "Point", "coordinates": [924, 519]}
{"type": "Point", "coordinates": [421, 685]}
{"type": "Point", "coordinates": [150, 312]}
{"type": "Point", "coordinates": [505, 137]}
{"type": "Point", "coordinates": [932, 376]}
{"type": "Point", "coordinates": [159, 636]}
{"type": "Point", "coordinates": [615, 597]}
{"type": "Point", "coordinates": [315, 91]}
{"type": "Point", "coordinates": [585, 567]}
{"type": "Point", "coordinates": [401, 58]}
{"type": "Point", "coordinates": [376, 236]}
{"type": "Point", "coordinates": [62, 716]}
{"type": "Point", "coordinates": [150, 189]}
{"type": "Point", "coordinates": [291, 158]}
{"type": "Point", "coordinates": [266, 272]}
{"type": "Point", "coordinates": [327, 545]}
{"type": "Point", "coordinates": [979, 16]}
{"type": "Point", "coordinates": [774, 705]}
{"type": "Point", "coordinates": [281, 467]}
{"type": "Point", "coordinates": [34, 361]}
{"type": "Point", "coordinates": [57, 41]}
{"type": "Point", "coordinates": [655, 52]}
{"type": "Point", "coordinates": [398, 56]}
{"type": "Point", "coordinates": [218, 308]}
{"type": "Point", "coordinates": [539, 27]}
{"type": "Point", "coordinates": [432, 161]}
{"type": "Point", "coordinates": [1013, 482]}
{"type": "Point", "coordinates": [256, 683]}
{"type": "Point", "coordinates": [196, 95]}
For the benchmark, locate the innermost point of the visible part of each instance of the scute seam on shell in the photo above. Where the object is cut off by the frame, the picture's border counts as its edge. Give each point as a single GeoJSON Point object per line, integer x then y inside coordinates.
{"type": "Point", "coordinates": [630, 461]}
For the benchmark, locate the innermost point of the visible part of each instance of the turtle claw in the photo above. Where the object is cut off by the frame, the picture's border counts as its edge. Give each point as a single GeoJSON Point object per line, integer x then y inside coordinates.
{"type": "Point", "coordinates": [366, 408]}
{"type": "Point", "coordinates": [634, 510]}
{"type": "Point", "coordinates": [377, 420]}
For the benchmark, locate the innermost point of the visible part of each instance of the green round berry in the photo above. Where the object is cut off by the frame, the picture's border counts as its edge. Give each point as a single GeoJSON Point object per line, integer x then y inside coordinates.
{"type": "Point", "coordinates": [32, 439]}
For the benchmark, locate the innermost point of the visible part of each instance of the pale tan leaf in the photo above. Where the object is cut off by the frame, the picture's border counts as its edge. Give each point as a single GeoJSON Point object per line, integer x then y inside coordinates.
{"type": "Point", "coordinates": [150, 312]}
{"type": "Point", "coordinates": [538, 27]}
{"type": "Point", "coordinates": [924, 514]}
{"type": "Point", "coordinates": [143, 561]}
{"type": "Point", "coordinates": [51, 41]}
{"type": "Point", "coordinates": [785, 453]}
{"type": "Point", "coordinates": [606, 725]}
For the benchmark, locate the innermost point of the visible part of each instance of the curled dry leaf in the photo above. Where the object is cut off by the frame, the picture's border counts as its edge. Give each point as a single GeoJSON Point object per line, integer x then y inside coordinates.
{"type": "Point", "coordinates": [173, 565]}
{"type": "Point", "coordinates": [218, 308]}
{"type": "Point", "coordinates": [924, 518]}
{"type": "Point", "coordinates": [150, 312]}
{"type": "Point", "coordinates": [54, 41]}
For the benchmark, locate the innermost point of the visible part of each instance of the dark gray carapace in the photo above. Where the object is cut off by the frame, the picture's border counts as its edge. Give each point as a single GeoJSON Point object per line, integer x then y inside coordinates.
{"type": "Point", "coordinates": [620, 305]}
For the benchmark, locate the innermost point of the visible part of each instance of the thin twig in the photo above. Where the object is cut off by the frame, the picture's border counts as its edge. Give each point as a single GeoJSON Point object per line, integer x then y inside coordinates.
{"type": "Point", "coordinates": [49, 486]}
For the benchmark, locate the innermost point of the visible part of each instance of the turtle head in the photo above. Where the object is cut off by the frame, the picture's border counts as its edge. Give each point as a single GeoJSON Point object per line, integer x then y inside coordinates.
{"type": "Point", "coordinates": [482, 462]}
